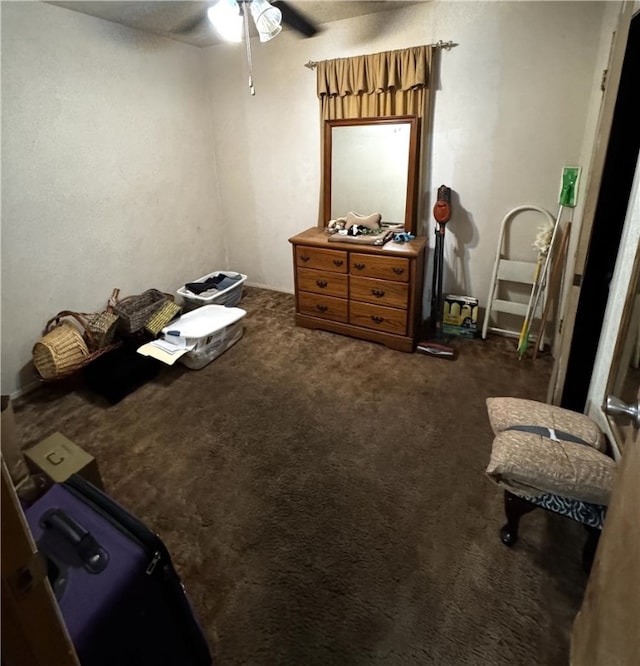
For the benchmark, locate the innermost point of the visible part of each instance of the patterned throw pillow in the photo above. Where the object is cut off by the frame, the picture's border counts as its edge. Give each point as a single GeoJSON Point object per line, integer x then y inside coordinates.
{"type": "Point", "coordinates": [532, 465]}
{"type": "Point", "coordinates": [506, 413]}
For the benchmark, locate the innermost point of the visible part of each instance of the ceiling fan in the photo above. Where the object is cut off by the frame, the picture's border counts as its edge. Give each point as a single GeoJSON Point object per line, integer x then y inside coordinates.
{"type": "Point", "coordinates": [295, 19]}
{"type": "Point", "coordinates": [230, 19]}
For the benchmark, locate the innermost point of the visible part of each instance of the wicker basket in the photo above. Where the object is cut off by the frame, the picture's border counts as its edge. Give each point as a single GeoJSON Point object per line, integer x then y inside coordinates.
{"type": "Point", "coordinates": [60, 351]}
{"type": "Point", "coordinates": [103, 328]}
{"type": "Point", "coordinates": [168, 312]}
{"type": "Point", "coordinates": [136, 311]}
{"type": "Point", "coordinates": [67, 345]}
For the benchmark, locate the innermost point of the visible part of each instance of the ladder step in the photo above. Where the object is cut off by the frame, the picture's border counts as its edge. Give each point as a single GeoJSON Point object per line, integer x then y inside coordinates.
{"type": "Point", "coordinates": [510, 307]}
{"type": "Point", "coordinates": [507, 333]}
{"type": "Point", "coordinates": [516, 271]}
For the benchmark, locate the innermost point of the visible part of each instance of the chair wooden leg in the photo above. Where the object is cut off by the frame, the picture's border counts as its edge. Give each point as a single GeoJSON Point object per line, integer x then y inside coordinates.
{"type": "Point", "coordinates": [514, 507]}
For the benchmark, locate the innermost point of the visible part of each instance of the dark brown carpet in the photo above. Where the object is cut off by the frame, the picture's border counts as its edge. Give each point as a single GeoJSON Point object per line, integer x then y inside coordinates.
{"type": "Point", "coordinates": [325, 501]}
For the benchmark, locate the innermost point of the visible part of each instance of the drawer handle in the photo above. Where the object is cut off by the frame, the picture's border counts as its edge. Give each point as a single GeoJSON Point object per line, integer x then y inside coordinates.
{"type": "Point", "coordinates": [321, 283]}
{"type": "Point", "coordinates": [397, 270]}
{"type": "Point", "coordinates": [338, 262]}
{"type": "Point", "coordinates": [303, 257]}
{"type": "Point", "coordinates": [322, 308]}
{"type": "Point", "coordinates": [359, 266]}
{"type": "Point", "coordinates": [378, 293]}
{"type": "Point", "coordinates": [377, 319]}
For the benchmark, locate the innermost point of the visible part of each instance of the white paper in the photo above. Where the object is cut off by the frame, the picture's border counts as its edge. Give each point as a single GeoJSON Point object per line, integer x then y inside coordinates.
{"type": "Point", "coordinates": [163, 351]}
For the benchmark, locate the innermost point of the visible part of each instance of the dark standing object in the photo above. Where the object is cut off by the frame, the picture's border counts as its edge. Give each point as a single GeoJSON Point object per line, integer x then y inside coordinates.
{"type": "Point", "coordinates": [118, 592]}
{"type": "Point", "coordinates": [434, 346]}
{"type": "Point", "coordinates": [119, 372]}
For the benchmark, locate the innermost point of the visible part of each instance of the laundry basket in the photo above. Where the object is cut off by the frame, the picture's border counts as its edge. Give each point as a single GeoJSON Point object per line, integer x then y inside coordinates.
{"type": "Point", "coordinates": [208, 331]}
{"type": "Point", "coordinates": [230, 296]}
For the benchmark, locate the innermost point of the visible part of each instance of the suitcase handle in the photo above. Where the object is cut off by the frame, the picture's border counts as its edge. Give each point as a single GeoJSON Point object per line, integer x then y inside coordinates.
{"type": "Point", "coordinates": [93, 556]}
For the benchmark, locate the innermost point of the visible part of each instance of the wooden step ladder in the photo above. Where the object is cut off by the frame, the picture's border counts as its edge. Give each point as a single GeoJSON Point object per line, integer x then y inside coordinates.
{"type": "Point", "coordinates": [510, 270]}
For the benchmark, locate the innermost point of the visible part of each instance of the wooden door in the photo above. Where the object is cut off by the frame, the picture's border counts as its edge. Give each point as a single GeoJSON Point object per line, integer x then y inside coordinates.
{"type": "Point", "coordinates": [33, 632]}
{"type": "Point", "coordinates": [606, 631]}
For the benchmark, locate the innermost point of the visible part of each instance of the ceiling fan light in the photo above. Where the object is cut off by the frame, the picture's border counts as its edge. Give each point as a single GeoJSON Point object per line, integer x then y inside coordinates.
{"type": "Point", "coordinates": [226, 19]}
{"type": "Point", "coordinates": [267, 19]}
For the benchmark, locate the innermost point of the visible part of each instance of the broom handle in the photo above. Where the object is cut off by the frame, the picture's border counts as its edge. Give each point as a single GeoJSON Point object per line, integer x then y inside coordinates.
{"type": "Point", "coordinates": [547, 259]}
{"type": "Point", "coordinates": [527, 319]}
{"type": "Point", "coordinates": [555, 271]}
{"type": "Point", "coordinates": [523, 342]}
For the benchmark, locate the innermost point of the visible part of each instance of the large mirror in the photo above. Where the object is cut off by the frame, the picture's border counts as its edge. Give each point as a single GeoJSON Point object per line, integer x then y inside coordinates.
{"type": "Point", "coordinates": [371, 166]}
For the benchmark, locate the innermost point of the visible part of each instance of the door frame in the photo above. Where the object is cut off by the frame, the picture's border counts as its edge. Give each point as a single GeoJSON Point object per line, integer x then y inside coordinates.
{"type": "Point", "coordinates": [623, 289]}
{"type": "Point", "coordinates": [592, 192]}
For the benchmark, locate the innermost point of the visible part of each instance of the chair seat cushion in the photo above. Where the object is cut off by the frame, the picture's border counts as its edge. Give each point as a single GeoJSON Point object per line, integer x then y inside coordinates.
{"type": "Point", "coordinates": [506, 413]}
{"type": "Point", "coordinates": [531, 465]}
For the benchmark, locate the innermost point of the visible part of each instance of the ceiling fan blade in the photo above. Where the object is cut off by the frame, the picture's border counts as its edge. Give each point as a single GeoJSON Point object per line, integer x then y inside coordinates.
{"type": "Point", "coordinates": [295, 19]}
{"type": "Point", "coordinates": [192, 24]}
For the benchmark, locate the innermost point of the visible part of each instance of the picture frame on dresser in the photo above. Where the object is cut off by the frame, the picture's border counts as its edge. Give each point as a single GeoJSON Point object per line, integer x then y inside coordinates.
{"type": "Point", "coordinates": [365, 291]}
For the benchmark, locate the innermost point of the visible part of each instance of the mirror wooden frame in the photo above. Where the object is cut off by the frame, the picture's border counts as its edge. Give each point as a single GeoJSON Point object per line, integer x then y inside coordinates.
{"type": "Point", "coordinates": [411, 200]}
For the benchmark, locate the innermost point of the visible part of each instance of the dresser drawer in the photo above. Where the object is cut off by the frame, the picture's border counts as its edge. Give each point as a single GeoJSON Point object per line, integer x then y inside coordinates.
{"type": "Point", "coordinates": [381, 292]}
{"type": "Point", "coordinates": [389, 320]}
{"type": "Point", "coordinates": [326, 260]}
{"type": "Point", "coordinates": [323, 282]}
{"type": "Point", "coordinates": [326, 307]}
{"type": "Point", "coordinates": [376, 266]}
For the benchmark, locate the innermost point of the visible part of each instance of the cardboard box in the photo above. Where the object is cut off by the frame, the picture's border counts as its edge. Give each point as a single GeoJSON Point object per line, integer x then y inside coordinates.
{"type": "Point", "coordinates": [459, 331]}
{"type": "Point", "coordinates": [460, 316]}
{"type": "Point", "coordinates": [58, 458]}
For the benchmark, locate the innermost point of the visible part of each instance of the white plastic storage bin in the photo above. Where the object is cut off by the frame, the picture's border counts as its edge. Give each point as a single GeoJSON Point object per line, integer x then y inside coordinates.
{"type": "Point", "coordinates": [211, 329]}
{"type": "Point", "coordinates": [230, 296]}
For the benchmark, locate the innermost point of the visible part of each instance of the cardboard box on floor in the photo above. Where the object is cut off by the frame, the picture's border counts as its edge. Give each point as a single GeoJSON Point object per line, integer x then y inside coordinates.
{"type": "Point", "coordinates": [460, 316]}
{"type": "Point", "coordinates": [58, 458]}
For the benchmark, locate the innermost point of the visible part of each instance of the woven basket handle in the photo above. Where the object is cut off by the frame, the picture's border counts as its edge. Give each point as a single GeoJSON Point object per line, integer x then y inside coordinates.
{"type": "Point", "coordinates": [113, 300]}
{"type": "Point", "coordinates": [128, 299]}
{"type": "Point", "coordinates": [78, 316]}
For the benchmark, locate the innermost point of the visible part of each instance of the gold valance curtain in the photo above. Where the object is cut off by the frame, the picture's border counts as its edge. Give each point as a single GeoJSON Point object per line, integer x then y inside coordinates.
{"type": "Point", "coordinates": [391, 83]}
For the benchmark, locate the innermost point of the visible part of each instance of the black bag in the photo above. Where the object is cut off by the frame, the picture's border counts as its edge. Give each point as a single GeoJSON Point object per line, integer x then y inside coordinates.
{"type": "Point", "coordinates": [119, 372]}
{"type": "Point", "coordinates": [118, 592]}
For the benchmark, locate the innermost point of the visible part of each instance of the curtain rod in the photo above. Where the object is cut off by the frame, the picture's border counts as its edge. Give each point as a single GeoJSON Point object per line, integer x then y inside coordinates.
{"type": "Point", "coordinates": [447, 46]}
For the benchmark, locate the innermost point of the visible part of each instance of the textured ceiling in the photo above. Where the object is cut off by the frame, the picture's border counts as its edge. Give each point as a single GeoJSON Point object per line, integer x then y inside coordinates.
{"type": "Point", "coordinates": [187, 22]}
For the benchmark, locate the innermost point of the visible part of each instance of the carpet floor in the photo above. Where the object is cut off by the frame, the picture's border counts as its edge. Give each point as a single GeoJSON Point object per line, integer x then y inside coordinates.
{"type": "Point", "coordinates": [325, 502]}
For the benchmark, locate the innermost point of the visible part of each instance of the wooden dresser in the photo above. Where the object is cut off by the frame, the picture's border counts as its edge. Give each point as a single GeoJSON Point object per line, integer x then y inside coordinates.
{"type": "Point", "coordinates": [368, 292]}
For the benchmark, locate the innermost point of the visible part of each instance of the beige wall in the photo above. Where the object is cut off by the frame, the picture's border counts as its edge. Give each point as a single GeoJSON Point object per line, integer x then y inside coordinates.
{"type": "Point", "coordinates": [108, 177]}
{"type": "Point", "coordinates": [511, 107]}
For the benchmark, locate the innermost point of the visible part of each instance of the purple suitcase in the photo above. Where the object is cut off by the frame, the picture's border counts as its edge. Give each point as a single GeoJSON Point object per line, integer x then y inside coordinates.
{"type": "Point", "coordinates": [118, 592]}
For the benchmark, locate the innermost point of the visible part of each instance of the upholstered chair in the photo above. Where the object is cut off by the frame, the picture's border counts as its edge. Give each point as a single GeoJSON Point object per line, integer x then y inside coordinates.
{"type": "Point", "coordinates": [552, 458]}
